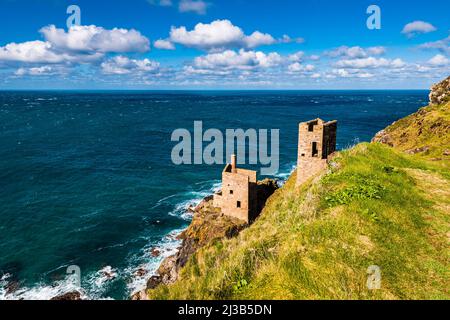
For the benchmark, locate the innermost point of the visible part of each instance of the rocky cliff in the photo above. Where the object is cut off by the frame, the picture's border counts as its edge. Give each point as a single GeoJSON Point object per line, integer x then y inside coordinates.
{"type": "Point", "coordinates": [426, 131]}
{"type": "Point", "coordinates": [373, 206]}
{"type": "Point", "coordinates": [440, 92]}
{"type": "Point", "coordinates": [208, 225]}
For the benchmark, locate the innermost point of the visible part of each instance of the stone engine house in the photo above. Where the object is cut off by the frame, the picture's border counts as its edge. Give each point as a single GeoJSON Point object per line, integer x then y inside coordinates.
{"type": "Point", "coordinates": [317, 141]}
{"type": "Point", "coordinates": [238, 197]}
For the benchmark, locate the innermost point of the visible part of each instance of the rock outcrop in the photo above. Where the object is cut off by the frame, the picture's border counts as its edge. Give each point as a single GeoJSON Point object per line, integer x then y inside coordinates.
{"type": "Point", "coordinates": [70, 296]}
{"type": "Point", "coordinates": [425, 132]}
{"type": "Point", "coordinates": [208, 225]}
{"type": "Point", "coordinates": [440, 92]}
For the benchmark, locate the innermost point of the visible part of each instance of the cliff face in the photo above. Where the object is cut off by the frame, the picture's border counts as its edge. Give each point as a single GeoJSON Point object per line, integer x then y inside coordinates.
{"type": "Point", "coordinates": [426, 131]}
{"type": "Point", "coordinates": [373, 206]}
{"type": "Point", "coordinates": [440, 92]}
{"type": "Point", "coordinates": [208, 226]}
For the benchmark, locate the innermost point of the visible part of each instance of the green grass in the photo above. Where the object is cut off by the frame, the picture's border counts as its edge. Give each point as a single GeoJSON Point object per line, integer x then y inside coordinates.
{"type": "Point", "coordinates": [375, 206]}
{"type": "Point", "coordinates": [428, 128]}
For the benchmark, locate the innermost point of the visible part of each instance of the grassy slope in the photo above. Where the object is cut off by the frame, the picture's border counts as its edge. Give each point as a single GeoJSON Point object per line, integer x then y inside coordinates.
{"type": "Point", "coordinates": [376, 206]}
{"type": "Point", "coordinates": [429, 127]}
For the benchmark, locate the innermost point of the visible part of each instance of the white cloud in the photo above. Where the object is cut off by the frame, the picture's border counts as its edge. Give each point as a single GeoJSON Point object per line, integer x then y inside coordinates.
{"type": "Point", "coordinates": [31, 51]}
{"type": "Point", "coordinates": [345, 73]}
{"type": "Point", "coordinates": [219, 35]}
{"type": "Point", "coordinates": [42, 52]}
{"type": "Point", "coordinates": [80, 44]}
{"type": "Point", "coordinates": [197, 6]}
{"type": "Point", "coordinates": [287, 39]}
{"type": "Point", "coordinates": [164, 45]}
{"type": "Point", "coordinates": [242, 60]}
{"type": "Point", "coordinates": [369, 62]}
{"type": "Point", "coordinates": [296, 57]}
{"type": "Point", "coordinates": [441, 45]}
{"type": "Point", "coordinates": [376, 51]}
{"type": "Point", "coordinates": [36, 71]}
{"type": "Point", "coordinates": [96, 39]}
{"type": "Point", "coordinates": [162, 3]}
{"type": "Point", "coordinates": [355, 52]}
{"type": "Point", "coordinates": [417, 27]}
{"type": "Point", "coordinates": [439, 60]}
{"type": "Point", "coordinates": [123, 65]}
{"type": "Point", "coordinates": [257, 39]}
{"type": "Point", "coordinates": [297, 67]}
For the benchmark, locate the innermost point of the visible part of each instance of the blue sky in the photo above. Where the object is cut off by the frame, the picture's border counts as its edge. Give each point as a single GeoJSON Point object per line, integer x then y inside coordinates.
{"type": "Point", "coordinates": [223, 44]}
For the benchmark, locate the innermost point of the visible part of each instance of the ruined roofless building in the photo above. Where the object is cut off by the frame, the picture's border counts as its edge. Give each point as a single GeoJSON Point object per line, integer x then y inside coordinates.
{"type": "Point", "coordinates": [238, 197]}
{"type": "Point", "coordinates": [317, 141]}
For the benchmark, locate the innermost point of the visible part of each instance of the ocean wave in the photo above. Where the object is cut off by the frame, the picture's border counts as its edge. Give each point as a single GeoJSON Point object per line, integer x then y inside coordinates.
{"type": "Point", "coordinates": [191, 199]}
{"type": "Point", "coordinates": [40, 291]}
{"type": "Point", "coordinates": [145, 265]}
{"type": "Point", "coordinates": [140, 267]}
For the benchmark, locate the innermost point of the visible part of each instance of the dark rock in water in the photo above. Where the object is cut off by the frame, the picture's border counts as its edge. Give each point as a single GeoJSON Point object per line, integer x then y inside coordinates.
{"type": "Point", "coordinates": [70, 296]}
{"type": "Point", "coordinates": [140, 272]}
{"type": "Point", "coordinates": [109, 273]}
{"type": "Point", "coordinates": [155, 253]}
{"type": "Point", "coordinates": [12, 287]}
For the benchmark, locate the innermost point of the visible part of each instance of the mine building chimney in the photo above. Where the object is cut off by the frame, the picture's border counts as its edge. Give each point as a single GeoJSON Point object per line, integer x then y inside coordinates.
{"type": "Point", "coordinates": [233, 163]}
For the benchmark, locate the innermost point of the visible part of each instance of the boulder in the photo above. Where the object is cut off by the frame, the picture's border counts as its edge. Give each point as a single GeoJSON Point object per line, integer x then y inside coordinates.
{"type": "Point", "coordinates": [69, 296]}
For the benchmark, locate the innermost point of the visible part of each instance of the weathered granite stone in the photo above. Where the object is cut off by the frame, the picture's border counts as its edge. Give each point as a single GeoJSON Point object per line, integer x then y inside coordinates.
{"type": "Point", "coordinates": [69, 296]}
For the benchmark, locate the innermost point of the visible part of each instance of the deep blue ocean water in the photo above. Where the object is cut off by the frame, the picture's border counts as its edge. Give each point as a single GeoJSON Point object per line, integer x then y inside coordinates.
{"type": "Point", "coordinates": [86, 178]}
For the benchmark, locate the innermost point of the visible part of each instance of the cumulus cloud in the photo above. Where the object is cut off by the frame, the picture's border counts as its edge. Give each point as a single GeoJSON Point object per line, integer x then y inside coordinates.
{"type": "Point", "coordinates": [377, 51]}
{"type": "Point", "coordinates": [93, 38]}
{"type": "Point", "coordinates": [120, 65]}
{"type": "Point", "coordinates": [42, 52]}
{"type": "Point", "coordinates": [417, 27]}
{"type": "Point", "coordinates": [299, 68]}
{"type": "Point", "coordinates": [36, 71]}
{"type": "Point", "coordinates": [355, 52]}
{"type": "Point", "coordinates": [81, 44]}
{"type": "Point", "coordinates": [242, 60]}
{"type": "Point", "coordinates": [345, 73]}
{"type": "Point", "coordinates": [257, 39]}
{"type": "Point", "coordinates": [296, 57]}
{"type": "Point", "coordinates": [196, 6]}
{"type": "Point", "coordinates": [164, 45]}
{"type": "Point", "coordinates": [441, 45]}
{"type": "Point", "coordinates": [439, 60]}
{"type": "Point", "coordinates": [369, 62]}
{"type": "Point", "coordinates": [219, 35]}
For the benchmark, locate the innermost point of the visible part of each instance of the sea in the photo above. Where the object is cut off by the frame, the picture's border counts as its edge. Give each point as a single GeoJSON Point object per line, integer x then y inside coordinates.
{"type": "Point", "coordinates": [87, 181]}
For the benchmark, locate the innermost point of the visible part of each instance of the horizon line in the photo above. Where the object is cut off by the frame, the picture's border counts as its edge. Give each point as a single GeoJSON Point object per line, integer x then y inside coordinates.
{"type": "Point", "coordinates": [223, 90]}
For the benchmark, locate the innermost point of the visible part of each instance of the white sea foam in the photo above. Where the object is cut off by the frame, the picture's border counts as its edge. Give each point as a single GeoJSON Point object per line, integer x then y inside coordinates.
{"type": "Point", "coordinates": [96, 284]}
{"type": "Point", "coordinates": [40, 291]}
{"type": "Point", "coordinates": [167, 247]}
{"type": "Point", "coordinates": [193, 199]}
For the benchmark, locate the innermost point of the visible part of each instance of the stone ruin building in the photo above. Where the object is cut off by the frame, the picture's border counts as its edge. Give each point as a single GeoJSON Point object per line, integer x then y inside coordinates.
{"type": "Point", "coordinates": [239, 195]}
{"type": "Point", "coordinates": [317, 141]}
